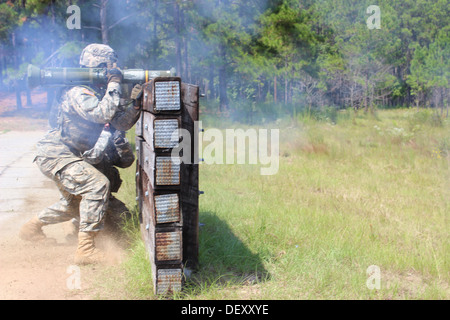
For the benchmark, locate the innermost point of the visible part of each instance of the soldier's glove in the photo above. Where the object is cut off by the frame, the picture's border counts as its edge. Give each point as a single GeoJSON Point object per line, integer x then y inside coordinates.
{"type": "Point", "coordinates": [119, 137]}
{"type": "Point", "coordinates": [136, 96]}
{"type": "Point", "coordinates": [136, 93]}
{"type": "Point", "coordinates": [113, 73]}
{"type": "Point", "coordinates": [96, 154]}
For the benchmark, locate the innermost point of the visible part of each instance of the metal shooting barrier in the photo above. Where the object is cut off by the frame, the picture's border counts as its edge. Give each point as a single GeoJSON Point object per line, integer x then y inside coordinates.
{"type": "Point", "coordinates": [167, 189]}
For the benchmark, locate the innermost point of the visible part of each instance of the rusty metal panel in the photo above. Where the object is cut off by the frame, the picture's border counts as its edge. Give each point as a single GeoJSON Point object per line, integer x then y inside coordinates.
{"type": "Point", "coordinates": [167, 171]}
{"type": "Point", "coordinates": [163, 95]}
{"type": "Point", "coordinates": [167, 96]}
{"type": "Point", "coordinates": [168, 245]}
{"type": "Point", "coordinates": [168, 281]}
{"type": "Point", "coordinates": [167, 208]}
{"type": "Point", "coordinates": [164, 130]}
{"type": "Point", "coordinates": [162, 171]}
{"type": "Point", "coordinates": [164, 244]}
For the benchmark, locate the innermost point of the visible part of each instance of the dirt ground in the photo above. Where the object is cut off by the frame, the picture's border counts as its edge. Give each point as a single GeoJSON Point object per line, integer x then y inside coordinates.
{"type": "Point", "coordinates": [28, 270]}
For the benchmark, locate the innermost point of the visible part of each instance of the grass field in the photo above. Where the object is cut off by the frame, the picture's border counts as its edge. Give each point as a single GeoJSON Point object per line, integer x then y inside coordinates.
{"type": "Point", "coordinates": [352, 191]}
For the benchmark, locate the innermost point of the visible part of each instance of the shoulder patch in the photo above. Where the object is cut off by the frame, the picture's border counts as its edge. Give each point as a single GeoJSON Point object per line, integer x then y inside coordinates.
{"type": "Point", "coordinates": [87, 91]}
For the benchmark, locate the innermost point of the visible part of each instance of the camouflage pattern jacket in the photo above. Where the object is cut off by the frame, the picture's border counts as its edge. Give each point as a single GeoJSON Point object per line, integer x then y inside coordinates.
{"type": "Point", "coordinates": [118, 153]}
{"type": "Point", "coordinates": [83, 112]}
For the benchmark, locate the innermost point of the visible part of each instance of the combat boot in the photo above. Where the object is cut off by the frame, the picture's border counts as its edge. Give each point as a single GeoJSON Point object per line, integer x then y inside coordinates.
{"type": "Point", "coordinates": [87, 253]}
{"type": "Point", "coordinates": [32, 230]}
{"type": "Point", "coordinates": [71, 230]}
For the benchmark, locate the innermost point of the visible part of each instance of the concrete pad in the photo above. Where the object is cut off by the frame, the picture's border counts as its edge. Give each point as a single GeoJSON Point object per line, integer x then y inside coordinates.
{"type": "Point", "coordinates": [24, 190]}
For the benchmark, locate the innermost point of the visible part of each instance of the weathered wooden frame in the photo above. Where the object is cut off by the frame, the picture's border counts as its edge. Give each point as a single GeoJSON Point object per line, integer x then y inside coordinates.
{"type": "Point", "coordinates": [171, 241]}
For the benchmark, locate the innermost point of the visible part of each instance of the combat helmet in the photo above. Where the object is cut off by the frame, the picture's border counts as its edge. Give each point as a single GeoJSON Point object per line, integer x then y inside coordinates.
{"type": "Point", "coordinates": [96, 54]}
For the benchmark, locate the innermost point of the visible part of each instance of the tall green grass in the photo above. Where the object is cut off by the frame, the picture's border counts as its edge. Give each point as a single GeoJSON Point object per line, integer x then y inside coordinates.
{"type": "Point", "coordinates": [353, 190]}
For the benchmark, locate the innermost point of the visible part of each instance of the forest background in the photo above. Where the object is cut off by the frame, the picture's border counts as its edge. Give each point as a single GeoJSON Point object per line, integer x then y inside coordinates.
{"type": "Point", "coordinates": [252, 59]}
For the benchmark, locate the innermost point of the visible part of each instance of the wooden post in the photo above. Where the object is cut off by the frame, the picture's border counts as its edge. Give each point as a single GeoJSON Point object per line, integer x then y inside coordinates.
{"type": "Point", "coordinates": [189, 178]}
{"type": "Point", "coordinates": [18, 94]}
{"type": "Point", "coordinates": [166, 189]}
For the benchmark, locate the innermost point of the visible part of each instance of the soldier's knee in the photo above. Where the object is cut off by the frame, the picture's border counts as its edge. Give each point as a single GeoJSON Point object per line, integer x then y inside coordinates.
{"type": "Point", "coordinates": [104, 185]}
{"type": "Point", "coordinates": [98, 187]}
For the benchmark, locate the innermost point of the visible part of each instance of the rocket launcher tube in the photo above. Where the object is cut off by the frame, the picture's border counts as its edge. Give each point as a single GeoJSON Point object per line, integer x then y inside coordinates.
{"type": "Point", "coordinates": [79, 76]}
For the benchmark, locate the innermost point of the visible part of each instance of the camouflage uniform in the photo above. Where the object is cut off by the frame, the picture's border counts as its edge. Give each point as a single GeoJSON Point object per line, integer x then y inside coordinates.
{"type": "Point", "coordinates": [118, 153]}
{"type": "Point", "coordinates": [65, 154]}
{"type": "Point", "coordinates": [69, 153]}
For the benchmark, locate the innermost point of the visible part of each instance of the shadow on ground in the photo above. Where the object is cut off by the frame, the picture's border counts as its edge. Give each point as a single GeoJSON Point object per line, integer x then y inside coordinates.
{"type": "Point", "coordinates": [224, 260]}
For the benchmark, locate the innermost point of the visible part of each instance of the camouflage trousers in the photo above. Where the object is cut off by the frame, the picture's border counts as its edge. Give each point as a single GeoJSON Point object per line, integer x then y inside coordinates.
{"type": "Point", "coordinates": [84, 194]}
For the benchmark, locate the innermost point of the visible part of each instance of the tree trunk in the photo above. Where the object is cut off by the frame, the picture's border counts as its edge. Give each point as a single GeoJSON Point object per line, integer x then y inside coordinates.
{"type": "Point", "coordinates": [212, 94]}
{"type": "Point", "coordinates": [155, 39]}
{"type": "Point", "coordinates": [103, 26]}
{"type": "Point", "coordinates": [366, 95]}
{"type": "Point", "coordinates": [223, 96]}
{"type": "Point", "coordinates": [155, 20]}
{"type": "Point", "coordinates": [187, 64]}
{"type": "Point", "coordinates": [18, 96]}
{"type": "Point", "coordinates": [265, 89]}
{"type": "Point", "coordinates": [177, 27]}
{"type": "Point", "coordinates": [275, 89]}
{"type": "Point", "coordinates": [285, 89]}
{"type": "Point", "coordinates": [223, 81]}
{"type": "Point", "coordinates": [1, 69]}
{"type": "Point", "coordinates": [16, 66]}
{"type": "Point", "coordinates": [351, 98]}
{"type": "Point", "coordinates": [187, 73]}
{"type": "Point", "coordinates": [29, 102]}
{"type": "Point", "coordinates": [53, 35]}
